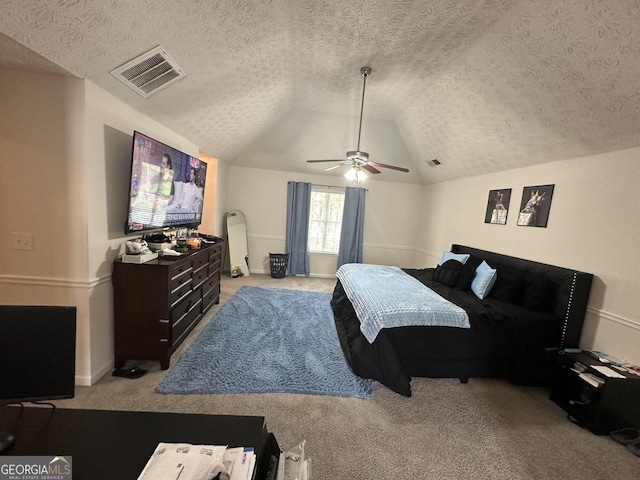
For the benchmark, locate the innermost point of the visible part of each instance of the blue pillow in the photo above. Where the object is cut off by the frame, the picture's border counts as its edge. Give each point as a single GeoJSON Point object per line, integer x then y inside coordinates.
{"type": "Point", "coordinates": [483, 281]}
{"type": "Point", "coordinates": [460, 257]}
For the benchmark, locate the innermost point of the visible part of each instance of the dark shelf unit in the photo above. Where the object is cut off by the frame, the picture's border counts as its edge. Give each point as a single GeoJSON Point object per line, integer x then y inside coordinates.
{"type": "Point", "coordinates": [157, 303]}
{"type": "Point", "coordinates": [603, 409]}
{"type": "Point", "coordinates": [107, 444]}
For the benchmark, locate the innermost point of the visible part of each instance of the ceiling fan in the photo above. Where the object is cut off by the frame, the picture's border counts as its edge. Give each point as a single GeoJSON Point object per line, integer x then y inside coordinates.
{"type": "Point", "coordinates": [357, 159]}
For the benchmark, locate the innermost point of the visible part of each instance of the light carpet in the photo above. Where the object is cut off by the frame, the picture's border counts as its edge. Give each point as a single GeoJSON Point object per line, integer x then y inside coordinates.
{"type": "Point", "coordinates": [267, 340]}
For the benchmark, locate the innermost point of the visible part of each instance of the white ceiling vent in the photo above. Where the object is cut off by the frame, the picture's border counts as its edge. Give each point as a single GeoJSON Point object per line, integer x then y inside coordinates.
{"type": "Point", "coordinates": [150, 72]}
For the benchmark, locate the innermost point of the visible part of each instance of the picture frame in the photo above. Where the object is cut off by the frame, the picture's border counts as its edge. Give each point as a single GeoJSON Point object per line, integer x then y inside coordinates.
{"type": "Point", "coordinates": [535, 206]}
{"type": "Point", "coordinates": [498, 206]}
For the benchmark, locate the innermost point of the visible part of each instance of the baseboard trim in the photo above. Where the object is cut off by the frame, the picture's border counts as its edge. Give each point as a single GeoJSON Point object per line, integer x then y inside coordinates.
{"type": "Point", "coordinates": [312, 275]}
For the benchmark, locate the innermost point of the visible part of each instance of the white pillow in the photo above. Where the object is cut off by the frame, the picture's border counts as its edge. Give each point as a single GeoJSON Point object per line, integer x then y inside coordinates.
{"type": "Point", "coordinates": [460, 257]}
{"type": "Point", "coordinates": [484, 279]}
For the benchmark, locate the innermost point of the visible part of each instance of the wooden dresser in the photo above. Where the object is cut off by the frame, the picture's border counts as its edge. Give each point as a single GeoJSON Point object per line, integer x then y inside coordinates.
{"type": "Point", "coordinates": [157, 303]}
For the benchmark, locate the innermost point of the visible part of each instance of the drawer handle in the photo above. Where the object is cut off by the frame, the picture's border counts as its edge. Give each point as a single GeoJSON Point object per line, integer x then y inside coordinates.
{"type": "Point", "coordinates": [162, 320]}
{"type": "Point", "coordinates": [191, 307]}
{"type": "Point", "coordinates": [181, 273]}
{"type": "Point", "coordinates": [181, 285]}
{"type": "Point", "coordinates": [181, 298]}
{"type": "Point", "coordinates": [199, 268]}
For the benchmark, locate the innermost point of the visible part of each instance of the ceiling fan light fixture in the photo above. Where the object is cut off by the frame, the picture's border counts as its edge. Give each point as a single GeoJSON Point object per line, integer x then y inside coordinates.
{"type": "Point", "coordinates": [355, 174]}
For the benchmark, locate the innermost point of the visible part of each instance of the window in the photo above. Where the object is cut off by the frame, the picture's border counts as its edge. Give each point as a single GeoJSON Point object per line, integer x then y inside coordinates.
{"type": "Point", "coordinates": [325, 220]}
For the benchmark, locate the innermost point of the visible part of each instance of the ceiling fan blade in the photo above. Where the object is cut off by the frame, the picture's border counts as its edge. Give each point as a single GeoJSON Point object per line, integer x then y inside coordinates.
{"type": "Point", "coordinates": [332, 167]}
{"type": "Point", "coordinates": [392, 167]}
{"type": "Point", "coordinates": [328, 160]}
{"type": "Point", "coordinates": [370, 168]}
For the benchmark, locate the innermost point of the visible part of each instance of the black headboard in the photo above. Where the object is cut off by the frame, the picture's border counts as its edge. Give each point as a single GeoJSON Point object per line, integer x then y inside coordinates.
{"type": "Point", "coordinates": [571, 288]}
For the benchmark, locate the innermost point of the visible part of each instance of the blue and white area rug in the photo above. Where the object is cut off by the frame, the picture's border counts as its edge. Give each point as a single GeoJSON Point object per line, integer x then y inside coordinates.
{"type": "Point", "coordinates": [266, 340]}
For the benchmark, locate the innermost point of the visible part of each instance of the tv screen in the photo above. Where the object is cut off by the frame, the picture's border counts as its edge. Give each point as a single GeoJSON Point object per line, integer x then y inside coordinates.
{"type": "Point", "coordinates": [37, 353]}
{"type": "Point", "coordinates": [166, 187]}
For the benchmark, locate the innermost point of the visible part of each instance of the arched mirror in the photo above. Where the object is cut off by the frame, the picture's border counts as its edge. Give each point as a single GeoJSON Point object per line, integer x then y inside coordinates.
{"type": "Point", "coordinates": [237, 243]}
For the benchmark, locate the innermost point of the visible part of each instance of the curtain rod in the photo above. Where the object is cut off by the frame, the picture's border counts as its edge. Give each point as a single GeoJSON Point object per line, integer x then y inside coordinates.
{"type": "Point", "coordinates": [334, 186]}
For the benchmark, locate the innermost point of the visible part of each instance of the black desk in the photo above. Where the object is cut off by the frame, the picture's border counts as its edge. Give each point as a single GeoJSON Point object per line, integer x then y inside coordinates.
{"type": "Point", "coordinates": [114, 444]}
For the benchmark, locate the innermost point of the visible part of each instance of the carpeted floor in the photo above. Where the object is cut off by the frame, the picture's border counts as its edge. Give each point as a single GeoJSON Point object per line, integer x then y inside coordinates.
{"type": "Point", "coordinates": [486, 429]}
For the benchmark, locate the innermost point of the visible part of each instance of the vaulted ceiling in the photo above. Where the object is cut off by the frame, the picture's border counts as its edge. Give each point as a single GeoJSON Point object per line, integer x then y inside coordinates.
{"type": "Point", "coordinates": [481, 85]}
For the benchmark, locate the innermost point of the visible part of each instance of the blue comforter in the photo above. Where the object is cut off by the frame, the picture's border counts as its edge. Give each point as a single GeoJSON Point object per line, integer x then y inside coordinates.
{"type": "Point", "coordinates": [386, 297]}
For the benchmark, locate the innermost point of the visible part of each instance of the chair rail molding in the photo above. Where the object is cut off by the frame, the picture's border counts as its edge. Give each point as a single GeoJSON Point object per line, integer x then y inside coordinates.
{"type": "Point", "coordinates": [612, 317]}
{"type": "Point", "coordinates": [54, 281]}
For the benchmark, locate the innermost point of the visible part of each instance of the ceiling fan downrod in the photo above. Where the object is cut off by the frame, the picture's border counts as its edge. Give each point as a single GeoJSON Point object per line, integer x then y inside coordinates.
{"type": "Point", "coordinates": [365, 71]}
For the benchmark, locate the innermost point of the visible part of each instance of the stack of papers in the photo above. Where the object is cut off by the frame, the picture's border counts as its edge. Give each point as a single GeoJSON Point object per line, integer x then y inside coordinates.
{"type": "Point", "coordinates": [240, 462]}
{"type": "Point", "coordinates": [607, 372]}
{"type": "Point", "coordinates": [294, 464]}
{"type": "Point", "coordinates": [184, 461]}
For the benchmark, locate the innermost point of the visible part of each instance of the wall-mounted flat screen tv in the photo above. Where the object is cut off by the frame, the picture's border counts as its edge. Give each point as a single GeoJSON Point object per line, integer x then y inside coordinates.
{"type": "Point", "coordinates": [166, 187]}
{"type": "Point", "coordinates": [37, 353]}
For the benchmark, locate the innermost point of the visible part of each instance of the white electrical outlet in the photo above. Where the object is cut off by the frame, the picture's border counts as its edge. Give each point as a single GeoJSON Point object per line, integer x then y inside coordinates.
{"type": "Point", "coordinates": [22, 241]}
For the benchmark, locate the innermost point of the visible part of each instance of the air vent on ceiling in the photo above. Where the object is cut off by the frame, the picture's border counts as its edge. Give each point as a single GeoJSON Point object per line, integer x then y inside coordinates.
{"type": "Point", "coordinates": [434, 163]}
{"type": "Point", "coordinates": [150, 72]}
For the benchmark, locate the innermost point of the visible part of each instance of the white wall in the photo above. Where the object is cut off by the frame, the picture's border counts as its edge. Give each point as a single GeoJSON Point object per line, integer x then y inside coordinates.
{"type": "Point", "coordinates": [222, 176]}
{"type": "Point", "coordinates": [389, 226]}
{"type": "Point", "coordinates": [43, 192]}
{"type": "Point", "coordinates": [592, 227]}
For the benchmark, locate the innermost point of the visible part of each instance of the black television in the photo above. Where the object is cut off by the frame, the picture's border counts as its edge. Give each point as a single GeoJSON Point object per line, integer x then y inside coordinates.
{"type": "Point", "coordinates": [166, 187]}
{"type": "Point", "coordinates": [37, 353]}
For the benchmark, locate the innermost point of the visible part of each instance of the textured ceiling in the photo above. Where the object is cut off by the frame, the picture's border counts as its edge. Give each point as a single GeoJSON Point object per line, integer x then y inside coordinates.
{"type": "Point", "coordinates": [482, 85]}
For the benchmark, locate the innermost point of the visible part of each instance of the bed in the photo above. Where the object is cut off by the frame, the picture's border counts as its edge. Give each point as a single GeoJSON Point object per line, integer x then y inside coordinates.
{"type": "Point", "coordinates": [530, 312]}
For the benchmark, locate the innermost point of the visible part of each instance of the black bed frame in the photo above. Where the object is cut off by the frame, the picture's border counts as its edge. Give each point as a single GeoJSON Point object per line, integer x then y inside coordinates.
{"type": "Point", "coordinates": [398, 354]}
{"type": "Point", "coordinates": [572, 292]}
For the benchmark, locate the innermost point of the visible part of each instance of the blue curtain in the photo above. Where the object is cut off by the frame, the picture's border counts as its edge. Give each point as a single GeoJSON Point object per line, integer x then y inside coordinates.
{"type": "Point", "coordinates": [298, 206]}
{"type": "Point", "coordinates": [351, 236]}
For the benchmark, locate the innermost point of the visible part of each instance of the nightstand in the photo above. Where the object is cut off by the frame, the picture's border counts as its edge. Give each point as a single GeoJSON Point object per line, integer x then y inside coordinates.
{"type": "Point", "coordinates": [593, 400]}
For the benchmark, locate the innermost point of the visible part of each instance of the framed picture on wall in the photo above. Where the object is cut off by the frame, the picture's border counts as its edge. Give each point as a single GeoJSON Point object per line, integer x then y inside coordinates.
{"type": "Point", "coordinates": [498, 206]}
{"type": "Point", "coordinates": [535, 206]}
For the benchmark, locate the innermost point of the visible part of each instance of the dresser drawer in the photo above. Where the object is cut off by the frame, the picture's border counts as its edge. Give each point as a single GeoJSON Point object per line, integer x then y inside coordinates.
{"type": "Point", "coordinates": [200, 259]}
{"type": "Point", "coordinates": [178, 271]}
{"type": "Point", "coordinates": [200, 275]}
{"type": "Point", "coordinates": [214, 266]}
{"type": "Point", "coordinates": [216, 252]}
{"type": "Point", "coordinates": [185, 313]}
{"type": "Point", "coordinates": [212, 282]}
{"type": "Point", "coordinates": [210, 296]}
{"type": "Point", "coordinates": [184, 327]}
{"type": "Point", "coordinates": [180, 291]}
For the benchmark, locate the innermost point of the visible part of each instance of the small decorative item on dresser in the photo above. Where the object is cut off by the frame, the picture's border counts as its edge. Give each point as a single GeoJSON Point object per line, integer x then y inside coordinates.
{"type": "Point", "coordinates": [194, 241]}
